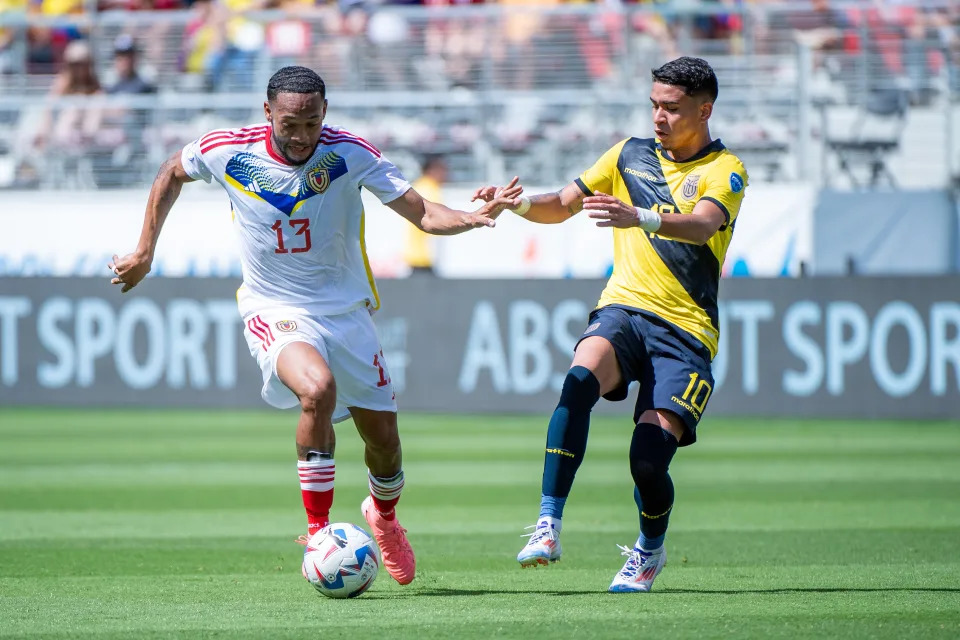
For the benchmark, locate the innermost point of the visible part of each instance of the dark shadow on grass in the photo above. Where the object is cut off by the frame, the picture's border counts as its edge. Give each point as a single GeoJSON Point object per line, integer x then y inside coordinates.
{"type": "Point", "coordinates": [818, 590]}
{"type": "Point", "coordinates": [436, 592]}
{"type": "Point", "coordinates": [439, 592]}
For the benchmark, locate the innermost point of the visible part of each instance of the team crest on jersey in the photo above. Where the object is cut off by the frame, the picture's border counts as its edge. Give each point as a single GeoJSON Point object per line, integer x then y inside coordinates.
{"type": "Point", "coordinates": [318, 179]}
{"type": "Point", "coordinates": [286, 325]}
{"type": "Point", "coordinates": [689, 190]}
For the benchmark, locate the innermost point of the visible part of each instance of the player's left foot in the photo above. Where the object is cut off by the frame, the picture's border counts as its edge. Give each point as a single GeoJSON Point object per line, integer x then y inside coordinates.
{"type": "Point", "coordinates": [639, 571]}
{"type": "Point", "coordinates": [542, 548]}
{"type": "Point", "coordinates": [397, 554]}
{"type": "Point", "coordinates": [303, 539]}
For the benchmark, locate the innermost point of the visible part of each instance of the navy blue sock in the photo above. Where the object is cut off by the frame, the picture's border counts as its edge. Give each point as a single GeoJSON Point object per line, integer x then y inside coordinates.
{"type": "Point", "coordinates": [651, 451]}
{"type": "Point", "coordinates": [567, 438]}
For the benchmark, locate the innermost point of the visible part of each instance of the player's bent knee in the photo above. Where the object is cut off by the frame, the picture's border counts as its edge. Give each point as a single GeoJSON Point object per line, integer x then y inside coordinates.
{"type": "Point", "coordinates": [651, 450]}
{"type": "Point", "coordinates": [383, 443]}
{"type": "Point", "coordinates": [581, 390]}
{"type": "Point", "coordinates": [318, 395]}
{"type": "Point", "coordinates": [644, 471]}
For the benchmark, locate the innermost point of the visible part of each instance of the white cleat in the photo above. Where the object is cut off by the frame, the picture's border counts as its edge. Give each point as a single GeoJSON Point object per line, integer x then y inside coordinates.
{"type": "Point", "coordinates": [542, 548]}
{"type": "Point", "coordinates": [639, 571]}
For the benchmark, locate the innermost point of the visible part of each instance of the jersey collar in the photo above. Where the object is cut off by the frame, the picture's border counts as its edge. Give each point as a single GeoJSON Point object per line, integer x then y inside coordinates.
{"type": "Point", "coordinates": [713, 147]}
{"type": "Point", "coordinates": [276, 155]}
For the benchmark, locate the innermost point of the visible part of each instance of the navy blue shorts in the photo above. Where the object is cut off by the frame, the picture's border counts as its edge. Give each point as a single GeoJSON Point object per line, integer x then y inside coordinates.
{"type": "Point", "coordinates": [672, 367]}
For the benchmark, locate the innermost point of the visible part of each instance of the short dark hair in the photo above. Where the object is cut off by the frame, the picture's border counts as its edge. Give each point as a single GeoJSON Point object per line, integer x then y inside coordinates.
{"type": "Point", "coordinates": [295, 80]}
{"type": "Point", "coordinates": [433, 160]}
{"type": "Point", "coordinates": [694, 75]}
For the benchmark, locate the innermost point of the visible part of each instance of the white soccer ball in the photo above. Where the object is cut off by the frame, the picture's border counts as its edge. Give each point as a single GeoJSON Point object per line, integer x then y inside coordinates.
{"type": "Point", "coordinates": [341, 560]}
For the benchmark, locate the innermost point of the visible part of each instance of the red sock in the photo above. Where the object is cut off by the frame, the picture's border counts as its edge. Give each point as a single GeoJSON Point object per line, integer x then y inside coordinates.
{"type": "Point", "coordinates": [316, 487]}
{"type": "Point", "coordinates": [386, 493]}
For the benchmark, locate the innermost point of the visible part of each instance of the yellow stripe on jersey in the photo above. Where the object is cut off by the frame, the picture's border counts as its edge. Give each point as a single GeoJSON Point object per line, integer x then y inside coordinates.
{"type": "Point", "coordinates": [366, 260]}
{"type": "Point", "coordinates": [241, 188]}
{"type": "Point", "coordinates": [676, 280]}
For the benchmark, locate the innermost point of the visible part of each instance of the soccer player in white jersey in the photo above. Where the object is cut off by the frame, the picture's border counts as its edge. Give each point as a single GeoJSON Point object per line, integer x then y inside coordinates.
{"type": "Point", "coordinates": [307, 294]}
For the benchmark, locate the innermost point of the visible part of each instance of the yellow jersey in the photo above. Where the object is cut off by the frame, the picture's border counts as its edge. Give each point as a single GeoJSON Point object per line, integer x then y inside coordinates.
{"type": "Point", "coordinates": [418, 249]}
{"type": "Point", "coordinates": [676, 280]}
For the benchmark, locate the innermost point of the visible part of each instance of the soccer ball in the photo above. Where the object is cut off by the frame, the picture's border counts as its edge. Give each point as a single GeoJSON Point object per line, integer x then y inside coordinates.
{"type": "Point", "coordinates": [341, 560]}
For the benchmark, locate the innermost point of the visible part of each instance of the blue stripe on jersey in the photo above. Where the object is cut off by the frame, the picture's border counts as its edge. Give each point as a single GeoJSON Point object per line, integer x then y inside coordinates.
{"type": "Point", "coordinates": [695, 267]}
{"type": "Point", "coordinates": [248, 173]}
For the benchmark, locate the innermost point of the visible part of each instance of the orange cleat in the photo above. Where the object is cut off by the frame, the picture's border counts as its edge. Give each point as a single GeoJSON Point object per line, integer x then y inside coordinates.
{"type": "Point", "coordinates": [397, 554]}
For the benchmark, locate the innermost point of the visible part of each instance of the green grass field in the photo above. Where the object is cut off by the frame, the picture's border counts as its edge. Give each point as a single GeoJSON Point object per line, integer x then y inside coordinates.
{"type": "Point", "coordinates": [181, 524]}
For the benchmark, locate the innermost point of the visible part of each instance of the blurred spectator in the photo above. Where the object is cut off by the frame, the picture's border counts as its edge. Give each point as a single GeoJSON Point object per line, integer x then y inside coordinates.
{"type": "Point", "coordinates": [45, 45]}
{"type": "Point", "coordinates": [127, 77]}
{"type": "Point", "coordinates": [58, 7]}
{"type": "Point", "coordinates": [525, 32]}
{"type": "Point", "coordinates": [8, 35]}
{"type": "Point", "coordinates": [418, 248]}
{"type": "Point", "coordinates": [72, 126]}
{"type": "Point", "coordinates": [42, 51]}
{"type": "Point", "coordinates": [140, 5]}
{"type": "Point", "coordinates": [203, 40]}
{"type": "Point", "coordinates": [121, 140]}
{"type": "Point", "coordinates": [821, 27]}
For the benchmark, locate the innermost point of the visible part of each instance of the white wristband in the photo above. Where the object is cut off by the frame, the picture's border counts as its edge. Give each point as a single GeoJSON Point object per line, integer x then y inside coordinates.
{"type": "Point", "coordinates": [524, 206]}
{"type": "Point", "coordinates": [648, 220]}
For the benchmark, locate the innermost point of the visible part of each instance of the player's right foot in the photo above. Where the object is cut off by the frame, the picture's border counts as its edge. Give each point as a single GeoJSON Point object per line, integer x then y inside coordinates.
{"type": "Point", "coordinates": [397, 553]}
{"type": "Point", "coordinates": [639, 571]}
{"type": "Point", "coordinates": [543, 546]}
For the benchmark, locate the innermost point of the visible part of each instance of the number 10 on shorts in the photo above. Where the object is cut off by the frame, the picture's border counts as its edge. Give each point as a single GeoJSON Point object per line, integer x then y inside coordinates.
{"type": "Point", "coordinates": [697, 387]}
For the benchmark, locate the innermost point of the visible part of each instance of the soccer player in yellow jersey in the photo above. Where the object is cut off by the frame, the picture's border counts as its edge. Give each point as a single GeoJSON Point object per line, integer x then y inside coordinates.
{"type": "Point", "coordinates": [672, 202]}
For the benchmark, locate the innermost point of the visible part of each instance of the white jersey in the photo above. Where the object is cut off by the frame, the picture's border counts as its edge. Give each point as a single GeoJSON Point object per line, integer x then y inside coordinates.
{"type": "Point", "coordinates": [300, 227]}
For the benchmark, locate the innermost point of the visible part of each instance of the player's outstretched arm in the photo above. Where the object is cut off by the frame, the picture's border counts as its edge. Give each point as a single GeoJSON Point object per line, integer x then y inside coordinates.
{"type": "Point", "coordinates": [133, 267]}
{"type": "Point", "coordinates": [545, 208]}
{"type": "Point", "coordinates": [441, 220]}
{"type": "Point", "coordinates": [696, 227]}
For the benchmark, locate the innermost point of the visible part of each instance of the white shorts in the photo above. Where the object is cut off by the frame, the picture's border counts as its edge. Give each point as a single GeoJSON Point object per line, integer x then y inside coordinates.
{"type": "Point", "coordinates": [348, 343]}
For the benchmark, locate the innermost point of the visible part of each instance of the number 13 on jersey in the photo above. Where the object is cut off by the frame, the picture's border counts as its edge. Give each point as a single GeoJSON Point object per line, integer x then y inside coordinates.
{"type": "Point", "coordinates": [302, 225]}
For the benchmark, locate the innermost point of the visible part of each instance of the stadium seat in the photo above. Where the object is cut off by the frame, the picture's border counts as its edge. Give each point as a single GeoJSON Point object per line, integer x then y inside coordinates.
{"type": "Point", "coordinates": [874, 135]}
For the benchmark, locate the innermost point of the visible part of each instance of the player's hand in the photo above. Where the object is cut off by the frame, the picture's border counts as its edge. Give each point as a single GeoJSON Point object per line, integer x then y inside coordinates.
{"type": "Point", "coordinates": [609, 211]}
{"type": "Point", "coordinates": [129, 270]}
{"type": "Point", "coordinates": [488, 194]}
{"type": "Point", "coordinates": [500, 198]}
{"type": "Point", "coordinates": [484, 193]}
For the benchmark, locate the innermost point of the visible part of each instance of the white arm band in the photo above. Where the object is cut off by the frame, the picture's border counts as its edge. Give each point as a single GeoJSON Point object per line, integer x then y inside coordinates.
{"type": "Point", "coordinates": [524, 206]}
{"type": "Point", "coordinates": [648, 220]}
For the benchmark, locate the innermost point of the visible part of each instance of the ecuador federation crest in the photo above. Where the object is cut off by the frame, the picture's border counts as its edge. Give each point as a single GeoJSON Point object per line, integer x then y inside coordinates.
{"type": "Point", "coordinates": [689, 190]}
{"type": "Point", "coordinates": [318, 179]}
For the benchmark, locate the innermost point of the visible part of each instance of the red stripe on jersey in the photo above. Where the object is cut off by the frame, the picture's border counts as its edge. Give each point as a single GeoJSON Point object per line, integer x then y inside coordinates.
{"type": "Point", "coordinates": [232, 133]}
{"type": "Point", "coordinates": [214, 145]}
{"type": "Point", "coordinates": [346, 135]}
{"type": "Point", "coordinates": [265, 327]}
{"type": "Point", "coordinates": [219, 138]}
{"type": "Point", "coordinates": [255, 331]}
{"type": "Point", "coordinates": [367, 146]}
{"type": "Point", "coordinates": [344, 132]}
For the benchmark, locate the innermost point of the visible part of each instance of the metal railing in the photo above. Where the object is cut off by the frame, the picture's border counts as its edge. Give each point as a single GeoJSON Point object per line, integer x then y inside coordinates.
{"type": "Point", "coordinates": [530, 91]}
